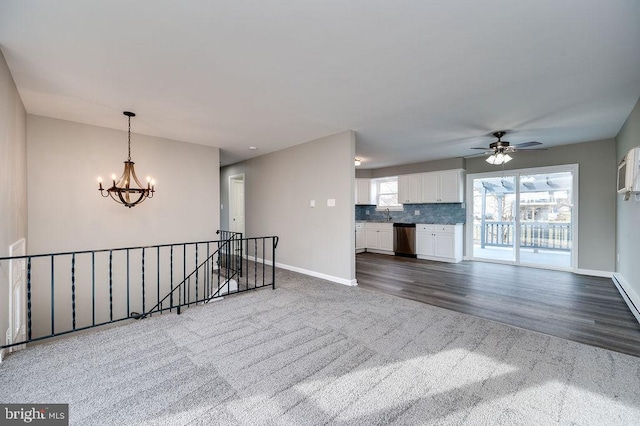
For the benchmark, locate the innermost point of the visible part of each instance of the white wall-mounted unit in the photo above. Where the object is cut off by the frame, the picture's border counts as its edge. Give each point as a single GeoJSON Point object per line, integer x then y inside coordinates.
{"type": "Point", "coordinates": [629, 172]}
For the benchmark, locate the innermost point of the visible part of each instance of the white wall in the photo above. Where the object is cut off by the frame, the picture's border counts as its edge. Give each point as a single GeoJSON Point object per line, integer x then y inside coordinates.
{"type": "Point", "coordinates": [13, 180]}
{"type": "Point", "coordinates": [278, 189]}
{"type": "Point", "coordinates": [66, 211]}
{"type": "Point", "coordinates": [628, 216]}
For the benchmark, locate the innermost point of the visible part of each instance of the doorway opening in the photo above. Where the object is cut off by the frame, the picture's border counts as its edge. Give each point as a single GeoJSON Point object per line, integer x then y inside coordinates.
{"type": "Point", "coordinates": [236, 203]}
{"type": "Point", "coordinates": [524, 217]}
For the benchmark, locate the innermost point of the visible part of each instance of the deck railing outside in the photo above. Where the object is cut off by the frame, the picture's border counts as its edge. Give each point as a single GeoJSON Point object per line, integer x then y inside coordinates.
{"type": "Point", "coordinates": [539, 235]}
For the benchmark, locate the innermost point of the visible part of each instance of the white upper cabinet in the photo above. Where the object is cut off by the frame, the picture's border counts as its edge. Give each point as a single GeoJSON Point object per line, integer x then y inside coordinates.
{"type": "Point", "coordinates": [451, 187]}
{"type": "Point", "coordinates": [443, 187]}
{"type": "Point", "coordinates": [410, 188]}
{"type": "Point", "coordinates": [363, 191]}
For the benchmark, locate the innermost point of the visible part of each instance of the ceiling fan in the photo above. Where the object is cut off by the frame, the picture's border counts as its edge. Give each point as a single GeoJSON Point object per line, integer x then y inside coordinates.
{"type": "Point", "coordinates": [499, 150]}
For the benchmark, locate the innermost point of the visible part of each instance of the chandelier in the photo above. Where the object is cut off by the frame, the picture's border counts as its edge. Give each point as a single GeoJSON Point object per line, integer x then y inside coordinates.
{"type": "Point", "coordinates": [128, 190]}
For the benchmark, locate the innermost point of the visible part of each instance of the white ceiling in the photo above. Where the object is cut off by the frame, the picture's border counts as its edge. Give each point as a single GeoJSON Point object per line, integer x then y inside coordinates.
{"type": "Point", "coordinates": [417, 80]}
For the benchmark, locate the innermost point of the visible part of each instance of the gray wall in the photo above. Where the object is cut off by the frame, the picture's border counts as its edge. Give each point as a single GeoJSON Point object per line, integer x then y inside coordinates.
{"type": "Point", "coordinates": [13, 180]}
{"type": "Point", "coordinates": [67, 213]}
{"type": "Point", "coordinates": [628, 212]}
{"type": "Point", "coordinates": [64, 154]}
{"type": "Point", "coordinates": [596, 199]}
{"type": "Point", "coordinates": [278, 189]}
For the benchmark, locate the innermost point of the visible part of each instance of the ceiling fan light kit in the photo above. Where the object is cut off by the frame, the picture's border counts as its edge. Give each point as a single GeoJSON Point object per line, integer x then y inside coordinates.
{"type": "Point", "coordinates": [498, 158]}
{"type": "Point", "coordinates": [499, 150]}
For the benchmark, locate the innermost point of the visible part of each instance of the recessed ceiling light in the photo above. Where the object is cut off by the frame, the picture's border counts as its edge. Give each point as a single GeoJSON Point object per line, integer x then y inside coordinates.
{"type": "Point", "coordinates": [253, 148]}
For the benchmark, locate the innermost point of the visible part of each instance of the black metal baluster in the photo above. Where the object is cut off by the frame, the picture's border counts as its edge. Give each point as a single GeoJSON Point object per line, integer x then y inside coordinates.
{"type": "Point", "coordinates": [255, 263]}
{"type": "Point", "coordinates": [128, 284]}
{"type": "Point", "coordinates": [197, 272]}
{"type": "Point", "coordinates": [73, 290]}
{"type": "Point", "coordinates": [273, 263]}
{"type": "Point", "coordinates": [53, 306]}
{"type": "Point", "coordinates": [93, 288]}
{"type": "Point", "coordinates": [110, 285]}
{"type": "Point", "coordinates": [158, 276]}
{"type": "Point", "coordinates": [219, 261]}
{"type": "Point", "coordinates": [29, 298]}
{"type": "Point", "coordinates": [171, 280]}
{"type": "Point", "coordinates": [206, 270]}
{"type": "Point", "coordinates": [184, 273]}
{"type": "Point", "coordinates": [264, 255]}
{"type": "Point", "coordinates": [143, 252]}
{"type": "Point", "coordinates": [247, 266]}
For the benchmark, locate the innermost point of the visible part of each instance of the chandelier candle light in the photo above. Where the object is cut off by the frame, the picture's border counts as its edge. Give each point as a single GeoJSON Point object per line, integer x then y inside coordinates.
{"type": "Point", "coordinates": [122, 191]}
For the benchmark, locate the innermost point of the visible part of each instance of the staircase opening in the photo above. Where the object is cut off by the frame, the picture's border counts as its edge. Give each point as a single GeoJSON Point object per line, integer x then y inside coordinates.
{"type": "Point", "coordinates": [76, 291]}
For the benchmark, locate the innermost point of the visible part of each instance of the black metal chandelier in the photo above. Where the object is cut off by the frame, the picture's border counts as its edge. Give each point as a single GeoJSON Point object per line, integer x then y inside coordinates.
{"type": "Point", "coordinates": [122, 191]}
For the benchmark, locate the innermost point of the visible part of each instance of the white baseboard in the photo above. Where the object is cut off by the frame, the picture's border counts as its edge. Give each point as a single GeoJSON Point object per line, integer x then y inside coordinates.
{"type": "Point", "coordinates": [594, 273]}
{"type": "Point", "coordinates": [331, 278]}
{"type": "Point", "coordinates": [628, 294]}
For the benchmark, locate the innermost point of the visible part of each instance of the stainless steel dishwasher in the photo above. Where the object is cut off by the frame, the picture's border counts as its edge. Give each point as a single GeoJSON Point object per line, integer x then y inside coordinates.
{"type": "Point", "coordinates": [404, 239]}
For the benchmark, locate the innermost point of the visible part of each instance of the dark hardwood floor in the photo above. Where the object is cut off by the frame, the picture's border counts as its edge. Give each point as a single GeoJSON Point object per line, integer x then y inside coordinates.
{"type": "Point", "coordinates": [576, 307]}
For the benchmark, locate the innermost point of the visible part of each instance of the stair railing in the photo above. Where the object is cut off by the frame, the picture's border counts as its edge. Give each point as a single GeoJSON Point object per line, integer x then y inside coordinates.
{"type": "Point", "coordinates": [70, 292]}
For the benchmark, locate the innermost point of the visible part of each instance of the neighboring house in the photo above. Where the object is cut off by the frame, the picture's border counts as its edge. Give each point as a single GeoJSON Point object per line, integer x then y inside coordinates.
{"type": "Point", "coordinates": [48, 194]}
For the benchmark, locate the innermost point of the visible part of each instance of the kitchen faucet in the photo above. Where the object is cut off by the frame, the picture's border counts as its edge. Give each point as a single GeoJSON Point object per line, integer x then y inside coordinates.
{"type": "Point", "coordinates": [386, 211]}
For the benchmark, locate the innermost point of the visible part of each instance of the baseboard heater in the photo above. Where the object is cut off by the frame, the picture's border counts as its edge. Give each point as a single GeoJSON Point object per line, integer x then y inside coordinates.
{"type": "Point", "coordinates": [621, 284]}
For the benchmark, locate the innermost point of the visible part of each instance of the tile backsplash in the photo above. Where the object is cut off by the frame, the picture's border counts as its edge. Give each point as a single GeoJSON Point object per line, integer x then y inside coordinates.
{"type": "Point", "coordinates": [444, 213]}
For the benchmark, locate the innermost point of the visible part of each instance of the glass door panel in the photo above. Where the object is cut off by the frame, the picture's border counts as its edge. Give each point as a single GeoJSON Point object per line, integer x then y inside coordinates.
{"type": "Point", "coordinates": [494, 218]}
{"type": "Point", "coordinates": [545, 215]}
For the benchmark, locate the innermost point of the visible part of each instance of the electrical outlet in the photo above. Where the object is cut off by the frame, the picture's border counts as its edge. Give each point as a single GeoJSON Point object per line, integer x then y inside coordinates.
{"type": "Point", "coordinates": [367, 212]}
{"type": "Point", "coordinates": [417, 212]}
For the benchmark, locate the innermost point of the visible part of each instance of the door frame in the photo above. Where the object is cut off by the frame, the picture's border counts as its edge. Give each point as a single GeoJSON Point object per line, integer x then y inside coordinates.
{"type": "Point", "coordinates": [573, 168]}
{"type": "Point", "coordinates": [237, 178]}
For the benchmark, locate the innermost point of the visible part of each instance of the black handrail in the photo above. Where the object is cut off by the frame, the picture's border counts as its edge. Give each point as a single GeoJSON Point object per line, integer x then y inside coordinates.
{"type": "Point", "coordinates": [226, 243]}
{"type": "Point", "coordinates": [108, 279]}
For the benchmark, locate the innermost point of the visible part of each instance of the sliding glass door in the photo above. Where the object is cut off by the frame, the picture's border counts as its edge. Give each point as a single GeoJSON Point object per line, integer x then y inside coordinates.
{"type": "Point", "coordinates": [524, 217]}
{"type": "Point", "coordinates": [494, 218]}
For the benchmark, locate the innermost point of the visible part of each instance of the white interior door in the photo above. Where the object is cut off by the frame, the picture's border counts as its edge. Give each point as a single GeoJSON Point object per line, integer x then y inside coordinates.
{"type": "Point", "coordinates": [17, 296]}
{"type": "Point", "coordinates": [236, 203]}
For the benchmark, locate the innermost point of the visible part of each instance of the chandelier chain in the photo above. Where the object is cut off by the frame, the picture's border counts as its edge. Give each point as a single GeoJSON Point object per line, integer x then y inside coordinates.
{"type": "Point", "coordinates": [129, 138]}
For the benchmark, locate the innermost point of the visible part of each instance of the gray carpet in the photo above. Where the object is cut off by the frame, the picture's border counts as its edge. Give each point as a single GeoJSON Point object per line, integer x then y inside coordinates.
{"type": "Point", "coordinates": [313, 352]}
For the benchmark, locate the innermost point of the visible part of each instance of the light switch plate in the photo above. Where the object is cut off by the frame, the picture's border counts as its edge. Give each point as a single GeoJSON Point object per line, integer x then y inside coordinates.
{"type": "Point", "coordinates": [331, 202]}
{"type": "Point", "coordinates": [312, 203]}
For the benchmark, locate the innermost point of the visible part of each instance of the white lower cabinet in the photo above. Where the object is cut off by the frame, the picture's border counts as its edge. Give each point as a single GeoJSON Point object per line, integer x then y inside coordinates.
{"type": "Point", "coordinates": [379, 237]}
{"type": "Point", "coordinates": [439, 242]}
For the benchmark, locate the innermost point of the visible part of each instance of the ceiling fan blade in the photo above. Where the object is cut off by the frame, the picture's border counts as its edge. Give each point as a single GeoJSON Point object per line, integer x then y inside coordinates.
{"type": "Point", "coordinates": [531, 149]}
{"type": "Point", "coordinates": [478, 147]}
{"type": "Point", "coordinates": [526, 144]}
